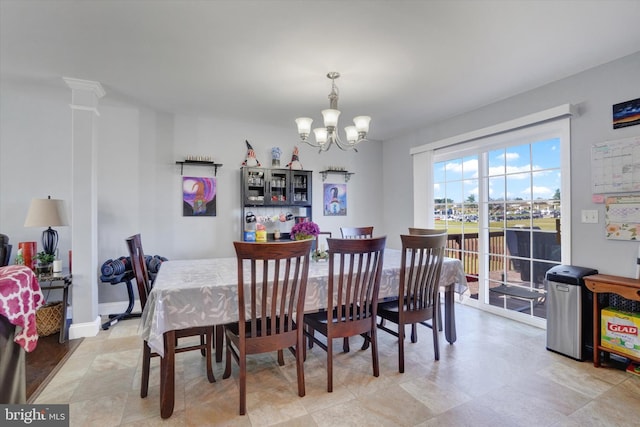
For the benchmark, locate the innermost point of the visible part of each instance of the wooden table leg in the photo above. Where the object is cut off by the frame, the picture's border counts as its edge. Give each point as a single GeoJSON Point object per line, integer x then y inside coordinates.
{"type": "Point", "coordinates": [596, 329]}
{"type": "Point", "coordinates": [449, 315]}
{"type": "Point", "coordinates": [167, 375]}
{"type": "Point", "coordinates": [63, 322]}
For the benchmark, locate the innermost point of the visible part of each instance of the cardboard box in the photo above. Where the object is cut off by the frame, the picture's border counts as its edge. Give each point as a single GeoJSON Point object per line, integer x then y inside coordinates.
{"type": "Point", "coordinates": [619, 332]}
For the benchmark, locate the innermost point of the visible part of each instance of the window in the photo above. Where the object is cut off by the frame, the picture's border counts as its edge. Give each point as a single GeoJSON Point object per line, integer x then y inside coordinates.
{"type": "Point", "coordinates": [501, 198]}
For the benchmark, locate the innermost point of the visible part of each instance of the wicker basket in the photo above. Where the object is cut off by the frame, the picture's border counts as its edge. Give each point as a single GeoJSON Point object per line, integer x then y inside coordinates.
{"type": "Point", "coordinates": [48, 318]}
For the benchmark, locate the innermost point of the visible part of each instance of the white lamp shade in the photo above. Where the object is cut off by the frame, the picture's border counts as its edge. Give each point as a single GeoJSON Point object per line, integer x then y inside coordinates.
{"type": "Point", "coordinates": [352, 134]}
{"type": "Point", "coordinates": [362, 123]}
{"type": "Point", "coordinates": [304, 125]}
{"type": "Point", "coordinates": [46, 213]}
{"type": "Point", "coordinates": [330, 117]}
{"type": "Point", "coordinates": [321, 135]}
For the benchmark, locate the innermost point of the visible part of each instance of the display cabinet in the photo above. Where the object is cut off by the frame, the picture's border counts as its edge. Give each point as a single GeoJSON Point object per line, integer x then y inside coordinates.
{"type": "Point", "coordinates": [274, 198]}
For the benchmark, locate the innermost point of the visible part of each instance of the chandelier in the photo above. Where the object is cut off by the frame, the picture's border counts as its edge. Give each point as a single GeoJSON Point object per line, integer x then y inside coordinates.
{"type": "Point", "coordinates": [328, 135]}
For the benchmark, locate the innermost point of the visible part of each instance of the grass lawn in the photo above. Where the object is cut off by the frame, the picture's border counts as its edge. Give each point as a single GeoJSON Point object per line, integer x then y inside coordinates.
{"type": "Point", "coordinates": [455, 227]}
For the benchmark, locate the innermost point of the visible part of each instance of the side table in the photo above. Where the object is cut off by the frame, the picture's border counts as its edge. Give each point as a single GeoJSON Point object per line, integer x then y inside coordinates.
{"type": "Point", "coordinates": [62, 281]}
{"type": "Point", "coordinates": [603, 283]}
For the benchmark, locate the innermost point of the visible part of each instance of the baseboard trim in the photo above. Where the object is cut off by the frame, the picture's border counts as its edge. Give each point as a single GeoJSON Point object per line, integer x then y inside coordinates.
{"type": "Point", "coordinates": [106, 308]}
{"type": "Point", "coordinates": [86, 329]}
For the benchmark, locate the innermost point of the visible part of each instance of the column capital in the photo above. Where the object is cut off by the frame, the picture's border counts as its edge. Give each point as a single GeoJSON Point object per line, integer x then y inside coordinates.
{"type": "Point", "coordinates": [84, 94]}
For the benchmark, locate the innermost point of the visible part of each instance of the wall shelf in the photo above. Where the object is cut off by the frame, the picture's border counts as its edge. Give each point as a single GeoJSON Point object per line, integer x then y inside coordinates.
{"type": "Point", "coordinates": [347, 174]}
{"type": "Point", "coordinates": [215, 166]}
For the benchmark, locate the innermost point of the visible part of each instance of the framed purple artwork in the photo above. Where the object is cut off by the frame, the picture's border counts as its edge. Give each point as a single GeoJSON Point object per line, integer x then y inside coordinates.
{"type": "Point", "coordinates": [198, 196]}
{"type": "Point", "coordinates": [335, 199]}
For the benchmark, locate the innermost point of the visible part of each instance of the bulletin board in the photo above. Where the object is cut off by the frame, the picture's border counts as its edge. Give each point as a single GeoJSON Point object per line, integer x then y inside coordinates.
{"type": "Point", "coordinates": [622, 217]}
{"type": "Point", "coordinates": [615, 166]}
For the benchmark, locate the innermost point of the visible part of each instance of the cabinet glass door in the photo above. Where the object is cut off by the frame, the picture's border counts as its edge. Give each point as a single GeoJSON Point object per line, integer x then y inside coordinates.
{"type": "Point", "coordinates": [278, 185]}
{"type": "Point", "coordinates": [254, 180]}
{"type": "Point", "coordinates": [301, 190]}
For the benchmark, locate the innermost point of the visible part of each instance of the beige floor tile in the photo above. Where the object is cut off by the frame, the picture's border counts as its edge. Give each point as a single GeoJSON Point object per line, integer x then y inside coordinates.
{"type": "Point", "coordinates": [498, 373]}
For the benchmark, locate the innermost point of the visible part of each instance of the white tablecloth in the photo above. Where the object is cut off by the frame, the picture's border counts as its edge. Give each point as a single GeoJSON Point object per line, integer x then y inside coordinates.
{"type": "Point", "coordinates": [203, 292]}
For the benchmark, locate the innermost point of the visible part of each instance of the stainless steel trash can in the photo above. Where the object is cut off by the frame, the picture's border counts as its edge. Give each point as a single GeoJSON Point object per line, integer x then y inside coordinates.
{"type": "Point", "coordinates": [565, 332]}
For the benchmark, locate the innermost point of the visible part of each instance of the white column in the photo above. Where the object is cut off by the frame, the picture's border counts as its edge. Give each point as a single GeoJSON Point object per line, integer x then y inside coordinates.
{"type": "Point", "coordinates": [84, 207]}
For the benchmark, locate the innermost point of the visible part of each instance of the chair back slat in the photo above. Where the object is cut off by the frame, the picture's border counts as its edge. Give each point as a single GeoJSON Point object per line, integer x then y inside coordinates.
{"type": "Point", "coordinates": [274, 275]}
{"type": "Point", "coordinates": [355, 268]}
{"type": "Point", "coordinates": [421, 265]}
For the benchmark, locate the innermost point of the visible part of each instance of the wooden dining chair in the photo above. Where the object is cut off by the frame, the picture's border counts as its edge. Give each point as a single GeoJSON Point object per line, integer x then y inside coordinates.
{"type": "Point", "coordinates": [356, 232]}
{"type": "Point", "coordinates": [270, 317]}
{"type": "Point", "coordinates": [426, 231]}
{"type": "Point", "coordinates": [205, 333]}
{"type": "Point", "coordinates": [418, 294]}
{"type": "Point", "coordinates": [355, 268]}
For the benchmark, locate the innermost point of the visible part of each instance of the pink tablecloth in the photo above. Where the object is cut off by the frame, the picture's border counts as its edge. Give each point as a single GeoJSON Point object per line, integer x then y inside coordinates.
{"type": "Point", "coordinates": [20, 298]}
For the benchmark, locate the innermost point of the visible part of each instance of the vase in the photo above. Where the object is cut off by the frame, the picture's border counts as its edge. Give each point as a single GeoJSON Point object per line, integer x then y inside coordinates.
{"type": "Point", "coordinates": [29, 250]}
{"type": "Point", "coordinates": [44, 269]}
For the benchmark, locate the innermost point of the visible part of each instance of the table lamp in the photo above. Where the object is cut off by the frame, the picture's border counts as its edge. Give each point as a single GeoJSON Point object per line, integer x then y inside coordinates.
{"type": "Point", "coordinates": [47, 213]}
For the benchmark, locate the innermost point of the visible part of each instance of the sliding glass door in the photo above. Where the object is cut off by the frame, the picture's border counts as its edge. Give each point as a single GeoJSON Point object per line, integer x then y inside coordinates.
{"type": "Point", "coordinates": [502, 202]}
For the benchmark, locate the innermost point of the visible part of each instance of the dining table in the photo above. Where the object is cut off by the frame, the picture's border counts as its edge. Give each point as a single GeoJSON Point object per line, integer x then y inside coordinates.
{"type": "Point", "coordinates": [204, 292]}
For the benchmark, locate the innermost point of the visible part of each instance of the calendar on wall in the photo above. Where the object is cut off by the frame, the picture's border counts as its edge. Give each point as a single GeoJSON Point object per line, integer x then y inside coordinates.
{"type": "Point", "coordinates": [622, 217]}
{"type": "Point", "coordinates": [615, 166]}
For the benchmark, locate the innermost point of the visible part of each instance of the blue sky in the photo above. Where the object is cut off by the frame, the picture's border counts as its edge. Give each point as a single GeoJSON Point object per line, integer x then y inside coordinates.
{"type": "Point", "coordinates": [529, 172]}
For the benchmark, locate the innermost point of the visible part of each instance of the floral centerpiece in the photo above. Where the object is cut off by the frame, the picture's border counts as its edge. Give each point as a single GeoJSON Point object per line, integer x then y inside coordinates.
{"type": "Point", "coordinates": [305, 230]}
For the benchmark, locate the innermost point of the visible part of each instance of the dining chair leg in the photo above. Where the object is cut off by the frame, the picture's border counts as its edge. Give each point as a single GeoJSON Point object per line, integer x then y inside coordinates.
{"type": "Point", "coordinates": [203, 341]}
{"type": "Point", "coordinates": [365, 342]}
{"type": "Point", "coordinates": [243, 384]}
{"type": "Point", "coordinates": [345, 344]}
{"type": "Point", "coordinates": [310, 331]}
{"type": "Point", "coordinates": [329, 365]}
{"type": "Point", "coordinates": [300, 366]}
{"type": "Point", "coordinates": [374, 351]}
{"type": "Point", "coordinates": [436, 343]}
{"type": "Point", "coordinates": [414, 332]}
{"type": "Point", "coordinates": [401, 348]}
{"type": "Point", "coordinates": [146, 365]}
{"type": "Point", "coordinates": [208, 351]}
{"type": "Point", "coordinates": [219, 338]}
{"type": "Point", "coordinates": [227, 366]}
{"type": "Point", "coordinates": [280, 357]}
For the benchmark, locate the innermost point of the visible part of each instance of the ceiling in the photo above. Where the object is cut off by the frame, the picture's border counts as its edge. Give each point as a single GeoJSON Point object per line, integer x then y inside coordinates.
{"type": "Point", "coordinates": [404, 63]}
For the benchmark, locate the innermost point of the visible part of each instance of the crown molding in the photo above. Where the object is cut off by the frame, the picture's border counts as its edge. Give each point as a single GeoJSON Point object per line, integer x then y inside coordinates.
{"type": "Point", "coordinates": [85, 85]}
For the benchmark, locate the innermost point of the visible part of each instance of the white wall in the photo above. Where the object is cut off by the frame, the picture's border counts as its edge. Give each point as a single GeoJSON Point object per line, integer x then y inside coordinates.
{"type": "Point", "coordinates": [139, 184]}
{"type": "Point", "coordinates": [593, 92]}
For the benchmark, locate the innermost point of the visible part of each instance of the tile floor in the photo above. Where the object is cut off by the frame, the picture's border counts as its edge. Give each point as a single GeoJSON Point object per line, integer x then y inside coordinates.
{"type": "Point", "coordinates": [498, 373]}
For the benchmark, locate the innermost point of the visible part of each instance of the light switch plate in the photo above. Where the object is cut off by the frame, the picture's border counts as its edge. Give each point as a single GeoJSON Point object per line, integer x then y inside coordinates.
{"type": "Point", "coordinates": [590, 216]}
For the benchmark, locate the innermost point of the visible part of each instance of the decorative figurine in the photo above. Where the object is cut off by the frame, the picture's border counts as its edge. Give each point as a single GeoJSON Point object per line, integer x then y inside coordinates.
{"type": "Point", "coordinates": [295, 160]}
{"type": "Point", "coordinates": [251, 159]}
{"type": "Point", "coordinates": [275, 157]}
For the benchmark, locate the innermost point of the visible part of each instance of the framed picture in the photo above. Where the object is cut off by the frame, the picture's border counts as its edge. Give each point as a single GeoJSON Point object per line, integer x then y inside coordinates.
{"type": "Point", "coordinates": [198, 196]}
{"type": "Point", "coordinates": [626, 114]}
{"type": "Point", "coordinates": [335, 199]}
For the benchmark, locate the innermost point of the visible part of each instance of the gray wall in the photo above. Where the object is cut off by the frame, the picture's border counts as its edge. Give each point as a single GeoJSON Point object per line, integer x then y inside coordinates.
{"type": "Point", "coordinates": [593, 92]}
{"type": "Point", "coordinates": [139, 185]}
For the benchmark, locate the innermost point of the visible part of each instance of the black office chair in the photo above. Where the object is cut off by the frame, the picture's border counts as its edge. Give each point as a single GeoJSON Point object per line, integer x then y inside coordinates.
{"type": "Point", "coordinates": [5, 250]}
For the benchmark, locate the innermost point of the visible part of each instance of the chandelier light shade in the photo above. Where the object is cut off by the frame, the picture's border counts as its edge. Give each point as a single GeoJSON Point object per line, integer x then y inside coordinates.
{"type": "Point", "coordinates": [47, 213]}
{"type": "Point", "coordinates": [328, 135]}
